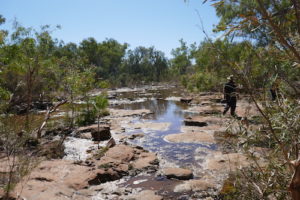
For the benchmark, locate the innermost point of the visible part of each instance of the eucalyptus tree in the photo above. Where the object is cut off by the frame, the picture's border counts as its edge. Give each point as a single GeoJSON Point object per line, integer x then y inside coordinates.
{"type": "Point", "coordinates": [144, 64]}
{"type": "Point", "coordinates": [181, 60]}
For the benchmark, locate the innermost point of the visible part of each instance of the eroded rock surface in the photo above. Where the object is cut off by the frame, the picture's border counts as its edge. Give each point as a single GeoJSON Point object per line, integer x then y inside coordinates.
{"type": "Point", "coordinates": [62, 179]}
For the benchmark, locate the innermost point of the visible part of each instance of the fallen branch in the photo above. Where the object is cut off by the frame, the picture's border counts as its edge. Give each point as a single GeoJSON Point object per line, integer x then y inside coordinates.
{"type": "Point", "coordinates": [47, 117]}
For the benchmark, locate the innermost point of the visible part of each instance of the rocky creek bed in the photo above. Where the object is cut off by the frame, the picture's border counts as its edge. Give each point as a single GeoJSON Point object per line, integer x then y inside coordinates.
{"type": "Point", "coordinates": [157, 143]}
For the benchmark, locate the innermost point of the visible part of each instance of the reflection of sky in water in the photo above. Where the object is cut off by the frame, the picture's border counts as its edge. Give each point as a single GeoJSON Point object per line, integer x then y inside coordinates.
{"type": "Point", "coordinates": [169, 112]}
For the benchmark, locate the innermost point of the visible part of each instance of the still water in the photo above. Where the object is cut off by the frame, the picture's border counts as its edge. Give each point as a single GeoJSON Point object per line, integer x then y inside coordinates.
{"type": "Point", "coordinates": [166, 108]}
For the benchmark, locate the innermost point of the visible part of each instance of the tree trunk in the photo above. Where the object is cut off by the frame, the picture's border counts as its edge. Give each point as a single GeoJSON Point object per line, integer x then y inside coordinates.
{"type": "Point", "coordinates": [295, 182]}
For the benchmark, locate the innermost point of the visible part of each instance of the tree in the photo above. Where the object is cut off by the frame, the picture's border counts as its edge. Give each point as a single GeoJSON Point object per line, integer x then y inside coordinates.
{"type": "Point", "coordinates": [181, 60]}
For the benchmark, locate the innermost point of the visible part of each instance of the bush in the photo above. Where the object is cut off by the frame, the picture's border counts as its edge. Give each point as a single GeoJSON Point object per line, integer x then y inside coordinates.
{"type": "Point", "coordinates": [87, 117]}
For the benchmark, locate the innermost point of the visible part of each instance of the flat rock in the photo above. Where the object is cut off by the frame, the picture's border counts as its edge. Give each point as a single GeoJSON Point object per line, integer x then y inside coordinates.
{"type": "Point", "coordinates": [59, 179]}
{"type": "Point", "coordinates": [145, 195]}
{"type": "Point", "coordinates": [145, 160]}
{"type": "Point", "coordinates": [202, 121]}
{"type": "Point", "coordinates": [191, 137]}
{"type": "Point", "coordinates": [226, 162]}
{"type": "Point", "coordinates": [121, 152]}
{"type": "Point", "coordinates": [124, 113]}
{"type": "Point", "coordinates": [207, 109]}
{"type": "Point", "coordinates": [194, 186]}
{"type": "Point", "coordinates": [93, 127]}
{"type": "Point", "coordinates": [150, 126]}
{"type": "Point", "coordinates": [209, 128]}
{"type": "Point", "coordinates": [178, 173]}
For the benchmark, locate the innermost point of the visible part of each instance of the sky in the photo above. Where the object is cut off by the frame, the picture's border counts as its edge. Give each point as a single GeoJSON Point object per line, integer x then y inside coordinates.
{"type": "Point", "coordinates": [158, 23]}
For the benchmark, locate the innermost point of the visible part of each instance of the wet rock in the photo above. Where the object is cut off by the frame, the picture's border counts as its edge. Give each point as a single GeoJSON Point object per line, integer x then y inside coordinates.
{"type": "Point", "coordinates": [178, 173]}
{"type": "Point", "coordinates": [145, 195]}
{"type": "Point", "coordinates": [191, 137]}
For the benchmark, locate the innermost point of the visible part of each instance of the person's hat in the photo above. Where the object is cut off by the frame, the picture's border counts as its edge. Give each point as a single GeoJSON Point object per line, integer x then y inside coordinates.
{"type": "Point", "coordinates": [230, 77]}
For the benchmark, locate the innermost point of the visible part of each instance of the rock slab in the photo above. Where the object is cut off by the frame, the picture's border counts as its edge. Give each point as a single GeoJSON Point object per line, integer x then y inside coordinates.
{"type": "Point", "coordinates": [178, 173]}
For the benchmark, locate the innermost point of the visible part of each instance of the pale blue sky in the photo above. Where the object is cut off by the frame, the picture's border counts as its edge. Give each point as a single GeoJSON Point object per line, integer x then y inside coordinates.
{"type": "Point", "coordinates": [158, 23]}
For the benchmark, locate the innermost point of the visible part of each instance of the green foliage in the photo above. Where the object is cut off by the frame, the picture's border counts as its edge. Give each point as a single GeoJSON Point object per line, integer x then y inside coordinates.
{"type": "Point", "coordinates": [103, 84]}
{"type": "Point", "coordinates": [144, 64]}
{"type": "Point", "coordinates": [100, 102]}
{"type": "Point", "coordinates": [206, 81]}
{"type": "Point", "coordinates": [181, 60]}
{"type": "Point", "coordinates": [85, 118]}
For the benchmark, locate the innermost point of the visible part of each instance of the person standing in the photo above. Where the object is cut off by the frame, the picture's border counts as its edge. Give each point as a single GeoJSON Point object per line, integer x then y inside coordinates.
{"type": "Point", "coordinates": [230, 96]}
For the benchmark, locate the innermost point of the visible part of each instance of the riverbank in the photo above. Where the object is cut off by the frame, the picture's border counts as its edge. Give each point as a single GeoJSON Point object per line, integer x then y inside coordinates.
{"type": "Point", "coordinates": [164, 147]}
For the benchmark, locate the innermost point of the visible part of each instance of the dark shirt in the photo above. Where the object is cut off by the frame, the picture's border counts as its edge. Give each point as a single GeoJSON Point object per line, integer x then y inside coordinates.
{"type": "Point", "coordinates": [229, 90]}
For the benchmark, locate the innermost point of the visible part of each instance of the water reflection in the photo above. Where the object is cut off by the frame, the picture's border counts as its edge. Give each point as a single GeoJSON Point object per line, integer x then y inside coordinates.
{"type": "Point", "coordinates": [166, 112]}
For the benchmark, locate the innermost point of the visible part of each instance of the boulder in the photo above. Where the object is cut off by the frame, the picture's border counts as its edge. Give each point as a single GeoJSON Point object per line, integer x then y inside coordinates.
{"type": "Point", "coordinates": [178, 173]}
{"type": "Point", "coordinates": [101, 134]}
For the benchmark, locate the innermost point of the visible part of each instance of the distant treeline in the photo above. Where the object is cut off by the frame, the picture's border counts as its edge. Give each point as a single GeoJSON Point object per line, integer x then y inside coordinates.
{"type": "Point", "coordinates": [35, 65]}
